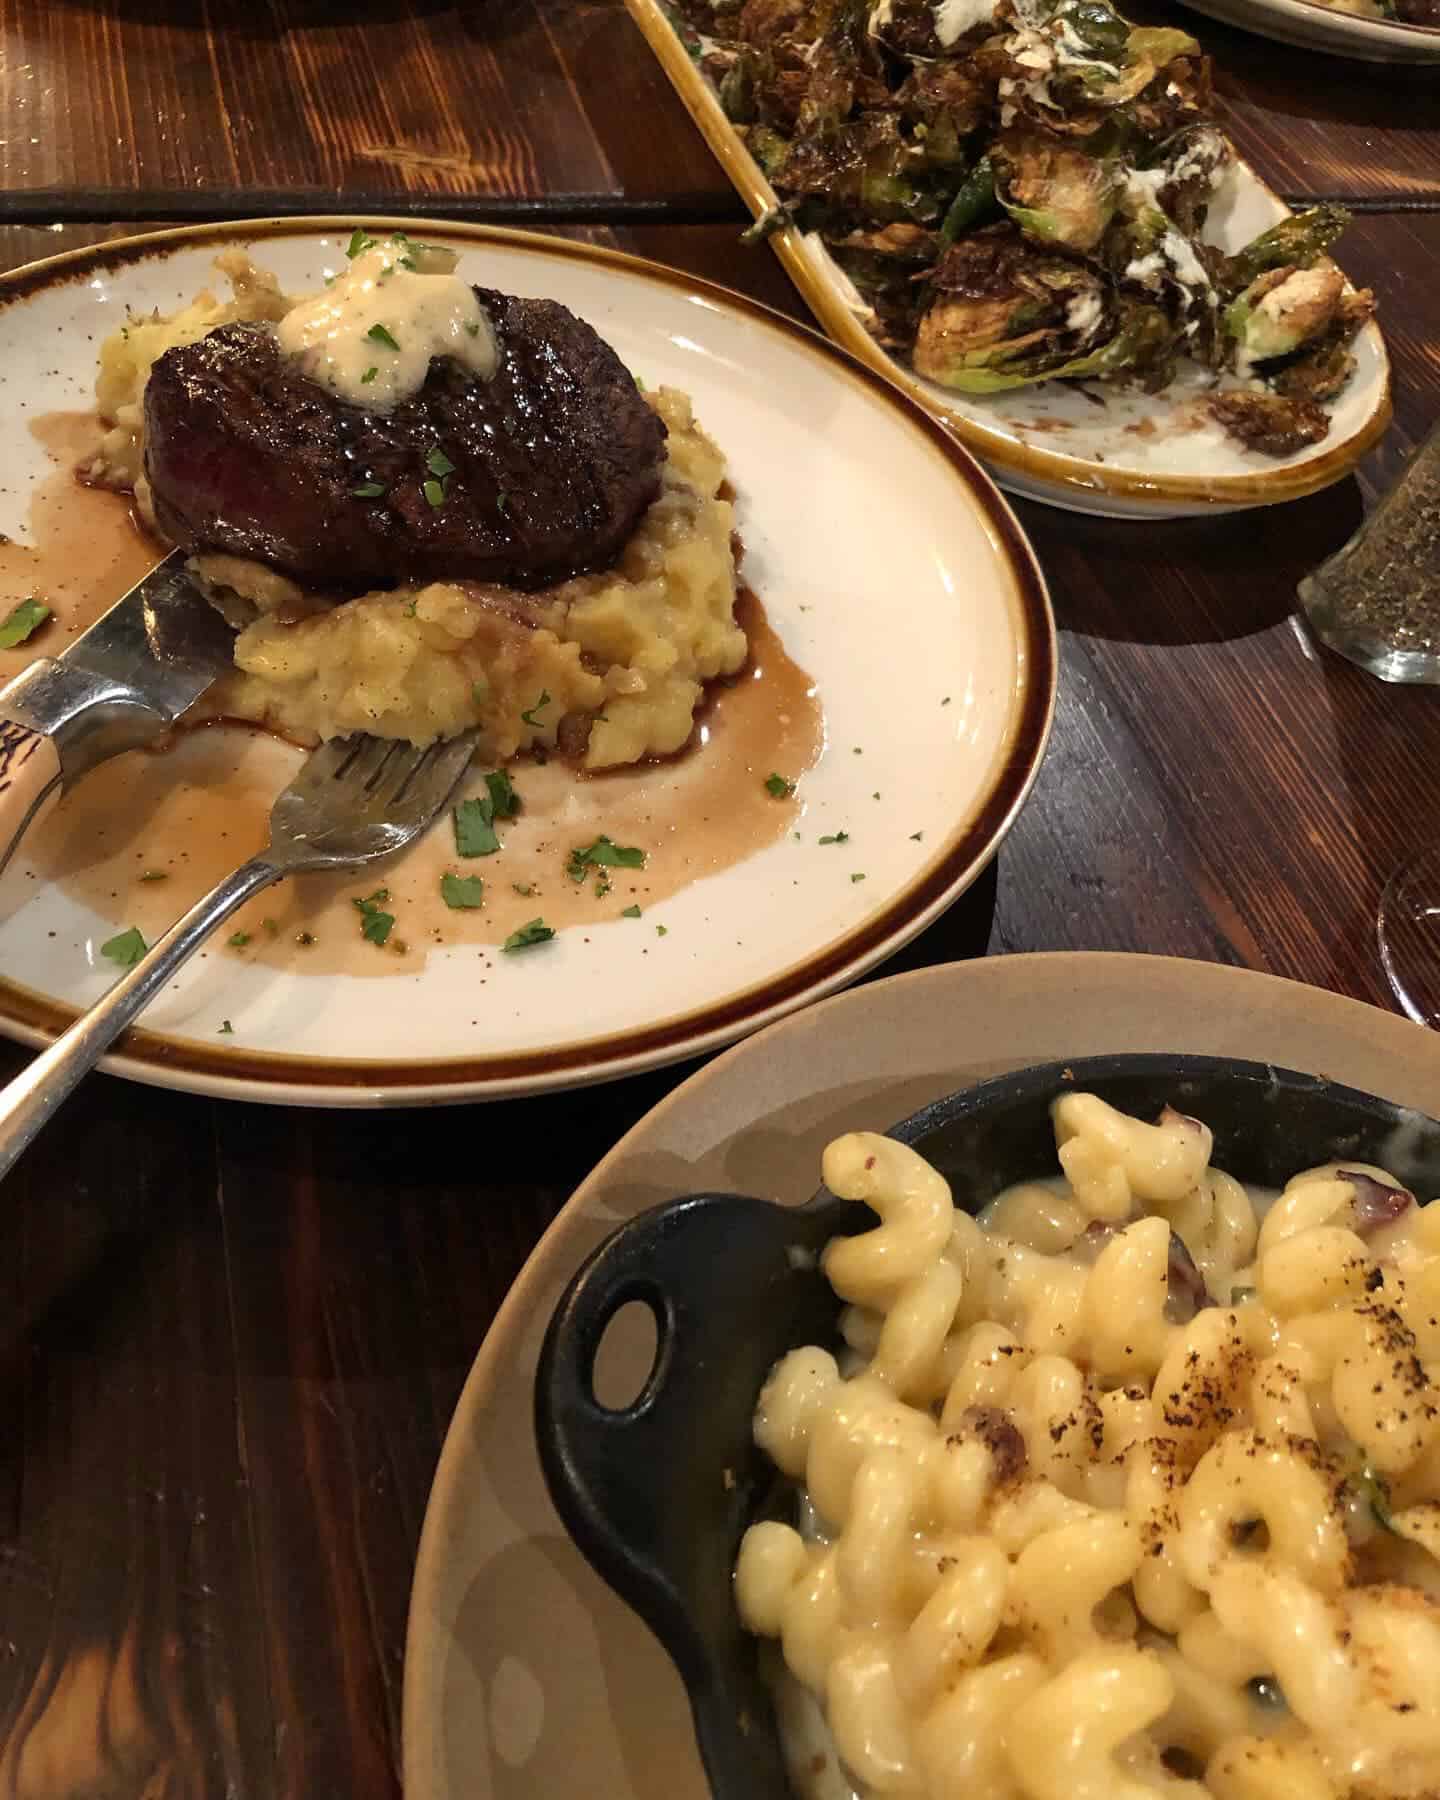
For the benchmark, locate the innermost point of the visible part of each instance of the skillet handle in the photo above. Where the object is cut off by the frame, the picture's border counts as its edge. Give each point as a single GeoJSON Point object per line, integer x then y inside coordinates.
{"type": "Point", "coordinates": [657, 1494]}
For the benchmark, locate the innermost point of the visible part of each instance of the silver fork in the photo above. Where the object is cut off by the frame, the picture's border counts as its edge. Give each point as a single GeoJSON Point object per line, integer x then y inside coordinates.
{"type": "Point", "coordinates": [356, 799]}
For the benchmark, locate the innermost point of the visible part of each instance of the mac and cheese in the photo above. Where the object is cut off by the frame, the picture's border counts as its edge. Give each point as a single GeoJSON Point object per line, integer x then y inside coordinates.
{"type": "Point", "coordinates": [1129, 1486]}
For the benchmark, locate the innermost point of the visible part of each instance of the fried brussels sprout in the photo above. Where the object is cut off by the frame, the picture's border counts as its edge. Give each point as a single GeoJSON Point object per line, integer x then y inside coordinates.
{"type": "Point", "coordinates": [1004, 313]}
{"type": "Point", "coordinates": [1282, 311]}
{"type": "Point", "coordinates": [1054, 191]}
{"type": "Point", "coordinates": [1019, 191]}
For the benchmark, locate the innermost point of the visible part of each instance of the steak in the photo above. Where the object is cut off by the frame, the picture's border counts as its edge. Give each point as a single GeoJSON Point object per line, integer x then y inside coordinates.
{"type": "Point", "coordinates": [540, 472]}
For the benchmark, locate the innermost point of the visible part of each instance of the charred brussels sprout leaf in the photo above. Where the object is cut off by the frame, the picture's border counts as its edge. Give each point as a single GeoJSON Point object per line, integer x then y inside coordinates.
{"type": "Point", "coordinates": [1294, 242]}
{"type": "Point", "coordinates": [973, 203]}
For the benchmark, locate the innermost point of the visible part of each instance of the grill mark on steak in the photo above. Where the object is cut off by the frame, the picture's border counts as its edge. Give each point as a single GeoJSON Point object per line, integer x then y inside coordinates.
{"type": "Point", "coordinates": [556, 457]}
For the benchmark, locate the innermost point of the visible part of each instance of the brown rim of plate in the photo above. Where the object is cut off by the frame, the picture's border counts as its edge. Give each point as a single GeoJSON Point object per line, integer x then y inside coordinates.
{"type": "Point", "coordinates": [1320, 471]}
{"type": "Point", "coordinates": [152, 1053]}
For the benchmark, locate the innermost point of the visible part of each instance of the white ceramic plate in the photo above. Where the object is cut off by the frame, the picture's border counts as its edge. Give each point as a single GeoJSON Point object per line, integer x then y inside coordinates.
{"type": "Point", "coordinates": [891, 569]}
{"type": "Point", "coordinates": [1311, 25]}
{"type": "Point", "coordinates": [525, 1676]}
{"type": "Point", "coordinates": [1139, 456]}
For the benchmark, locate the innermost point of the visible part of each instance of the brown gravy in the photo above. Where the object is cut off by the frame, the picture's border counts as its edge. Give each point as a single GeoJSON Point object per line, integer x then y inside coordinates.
{"type": "Point", "coordinates": [190, 814]}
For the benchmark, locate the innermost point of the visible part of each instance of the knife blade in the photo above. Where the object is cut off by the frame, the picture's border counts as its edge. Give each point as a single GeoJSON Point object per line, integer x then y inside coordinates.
{"type": "Point", "coordinates": [121, 684]}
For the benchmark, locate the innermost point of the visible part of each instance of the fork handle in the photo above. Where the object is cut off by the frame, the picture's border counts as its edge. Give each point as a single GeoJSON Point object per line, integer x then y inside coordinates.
{"type": "Point", "coordinates": [27, 1102]}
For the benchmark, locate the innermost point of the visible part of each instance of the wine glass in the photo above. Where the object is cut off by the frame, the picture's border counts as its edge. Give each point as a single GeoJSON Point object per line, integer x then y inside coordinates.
{"type": "Point", "coordinates": [1407, 929]}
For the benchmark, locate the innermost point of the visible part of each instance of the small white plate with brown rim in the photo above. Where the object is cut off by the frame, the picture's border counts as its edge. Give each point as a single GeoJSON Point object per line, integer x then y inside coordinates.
{"type": "Point", "coordinates": [904, 681]}
{"type": "Point", "coordinates": [1089, 447]}
{"type": "Point", "coordinates": [525, 1675]}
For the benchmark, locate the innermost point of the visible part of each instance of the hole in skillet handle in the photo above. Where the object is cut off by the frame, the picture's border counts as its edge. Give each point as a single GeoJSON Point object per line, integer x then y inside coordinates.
{"type": "Point", "coordinates": [659, 1495]}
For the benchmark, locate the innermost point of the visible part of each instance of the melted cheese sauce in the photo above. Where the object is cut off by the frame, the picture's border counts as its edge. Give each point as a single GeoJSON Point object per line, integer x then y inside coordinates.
{"type": "Point", "coordinates": [370, 335]}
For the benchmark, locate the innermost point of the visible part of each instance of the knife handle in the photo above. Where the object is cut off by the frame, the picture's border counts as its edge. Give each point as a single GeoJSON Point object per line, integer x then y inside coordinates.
{"type": "Point", "coordinates": [29, 774]}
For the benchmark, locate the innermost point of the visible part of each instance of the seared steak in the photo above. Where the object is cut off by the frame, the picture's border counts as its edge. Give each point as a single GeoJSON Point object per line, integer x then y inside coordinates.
{"type": "Point", "coordinates": [539, 473]}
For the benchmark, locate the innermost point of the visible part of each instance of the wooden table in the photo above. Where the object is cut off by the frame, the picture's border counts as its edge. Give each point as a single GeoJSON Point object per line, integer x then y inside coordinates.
{"type": "Point", "coordinates": [235, 1336]}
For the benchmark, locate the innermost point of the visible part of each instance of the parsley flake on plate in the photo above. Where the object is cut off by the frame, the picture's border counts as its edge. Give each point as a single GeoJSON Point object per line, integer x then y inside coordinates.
{"type": "Point", "coordinates": [434, 492]}
{"type": "Point", "coordinates": [368, 490]}
{"type": "Point", "coordinates": [226, 1029]}
{"type": "Point", "coordinates": [438, 463]}
{"type": "Point", "coordinates": [377, 334]}
{"type": "Point", "coordinates": [859, 877]}
{"type": "Point", "coordinates": [238, 939]}
{"type": "Point", "coordinates": [462, 892]}
{"type": "Point", "coordinates": [529, 717]}
{"type": "Point", "coordinates": [836, 837]}
{"type": "Point", "coordinates": [630, 912]}
{"type": "Point", "coordinates": [536, 932]}
{"type": "Point", "coordinates": [125, 948]}
{"type": "Point", "coordinates": [155, 875]}
{"type": "Point", "coordinates": [23, 622]}
{"type": "Point", "coordinates": [603, 854]}
{"type": "Point", "coordinates": [360, 242]}
{"type": "Point", "coordinates": [369, 375]}
{"type": "Point", "coordinates": [474, 820]}
{"type": "Point", "coordinates": [375, 923]}
{"type": "Point", "coordinates": [778, 787]}
{"type": "Point", "coordinates": [504, 801]}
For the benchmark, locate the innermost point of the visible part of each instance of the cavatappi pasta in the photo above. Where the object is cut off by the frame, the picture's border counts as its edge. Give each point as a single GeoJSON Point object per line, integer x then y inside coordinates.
{"type": "Point", "coordinates": [1128, 1487]}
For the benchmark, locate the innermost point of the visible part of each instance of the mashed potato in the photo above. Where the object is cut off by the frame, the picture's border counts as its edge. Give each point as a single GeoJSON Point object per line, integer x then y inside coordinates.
{"type": "Point", "coordinates": [609, 665]}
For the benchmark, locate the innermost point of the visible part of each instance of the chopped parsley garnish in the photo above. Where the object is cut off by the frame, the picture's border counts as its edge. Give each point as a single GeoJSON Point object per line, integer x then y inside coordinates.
{"type": "Point", "coordinates": [836, 837]}
{"type": "Point", "coordinates": [945, 701]}
{"type": "Point", "coordinates": [369, 375]}
{"type": "Point", "coordinates": [504, 801]}
{"type": "Point", "coordinates": [858, 877]}
{"type": "Point", "coordinates": [603, 854]}
{"type": "Point", "coordinates": [662, 931]}
{"type": "Point", "coordinates": [125, 948]}
{"type": "Point", "coordinates": [368, 490]}
{"type": "Point", "coordinates": [915, 836]}
{"type": "Point", "coordinates": [474, 833]}
{"type": "Point", "coordinates": [410, 610]}
{"type": "Point", "coordinates": [239, 939]}
{"type": "Point", "coordinates": [23, 622]}
{"type": "Point", "coordinates": [462, 892]}
{"type": "Point", "coordinates": [778, 787]}
{"type": "Point", "coordinates": [630, 912]}
{"type": "Point", "coordinates": [438, 463]}
{"type": "Point", "coordinates": [375, 923]}
{"type": "Point", "coordinates": [379, 335]}
{"type": "Point", "coordinates": [155, 875]}
{"type": "Point", "coordinates": [502, 500]}
{"type": "Point", "coordinates": [529, 717]}
{"type": "Point", "coordinates": [536, 932]}
{"type": "Point", "coordinates": [272, 926]}
{"type": "Point", "coordinates": [359, 243]}
{"type": "Point", "coordinates": [524, 888]}
{"type": "Point", "coordinates": [435, 493]}
{"type": "Point", "coordinates": [472, 328]}
{"type": "Point", "coordinates": [226, 1029]}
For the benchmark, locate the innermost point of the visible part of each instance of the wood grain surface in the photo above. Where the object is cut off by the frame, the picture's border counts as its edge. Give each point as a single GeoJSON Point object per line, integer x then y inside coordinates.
{"type": "Point", "coordinates": [235, 1336]}
{"type": "Point", "coordinates": [507, 108]}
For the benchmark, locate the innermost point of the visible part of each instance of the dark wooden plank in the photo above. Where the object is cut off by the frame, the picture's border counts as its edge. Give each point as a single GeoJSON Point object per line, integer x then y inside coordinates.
{"type": "Point", "coordinates": [254, 103]}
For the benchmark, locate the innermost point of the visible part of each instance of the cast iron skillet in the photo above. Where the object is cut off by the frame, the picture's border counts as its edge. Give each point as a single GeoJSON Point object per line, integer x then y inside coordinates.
{"type": "Point", "coordinates": [658, 1495]}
